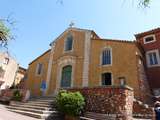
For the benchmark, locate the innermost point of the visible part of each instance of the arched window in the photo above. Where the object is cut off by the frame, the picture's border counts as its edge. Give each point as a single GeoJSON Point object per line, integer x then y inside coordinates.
{"type": "Point", "coordinates": [66, 76]}
{"type": "Point", "coordinates": [106, 79]}
{"type": "Point", "coordinates": [68, 43]}
{"type": "Point", "coordinates": [106, 56]}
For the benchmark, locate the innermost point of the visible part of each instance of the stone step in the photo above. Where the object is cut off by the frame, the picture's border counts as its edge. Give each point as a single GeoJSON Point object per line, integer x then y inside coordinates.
{"type": "Point", "coordinates": [35, 104]}
{"type": "Point", "coordinates": [140, 119]}
{"type": "Point", "coordinates": [31, 106]}
{"type": "Point", "coordinates": [49, 98]}
{"type": "Point", "coordinates": [98, 116]}
{"type": "Point", "coordinates": [39, 107]}
{"type": "Point", "coordinates": [30, 114]}
{"type": "Point", "coordinates": [39, 104]}
{"type": "Point", "coordinates": [86, 118]}
{"type": "Point", "coordinates": [30, 110]}
{"type": "Point", "coordinates": [44, 103]}
{"type": "Point", "coordinates": [42, 100]}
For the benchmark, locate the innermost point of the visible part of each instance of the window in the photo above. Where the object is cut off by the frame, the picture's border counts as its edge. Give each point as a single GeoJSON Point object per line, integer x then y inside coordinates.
{"type": "Point", "coordinates": [149, 39]}
{"type": "Point", "coordinates": [153, 58]}
{"type": "Point", "coordinates": [39, 69]}
{"type": "Point", "coordinates": [68, 43]}
{"type": "Point", "coordinates": [6, 61]}
{"type": "Point", "coordinates": [106, 79]}
{"type": "Point", "coordinates": [106, 56]}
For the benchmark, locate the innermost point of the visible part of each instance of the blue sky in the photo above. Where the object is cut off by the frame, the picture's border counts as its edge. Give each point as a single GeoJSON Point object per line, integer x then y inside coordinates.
{"type": "Point", "coordinates": [39, 22]}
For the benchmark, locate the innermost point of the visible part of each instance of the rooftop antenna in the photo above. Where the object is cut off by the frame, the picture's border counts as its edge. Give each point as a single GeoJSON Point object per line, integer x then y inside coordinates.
{"type": "Point", "coordinates": [71, 24]}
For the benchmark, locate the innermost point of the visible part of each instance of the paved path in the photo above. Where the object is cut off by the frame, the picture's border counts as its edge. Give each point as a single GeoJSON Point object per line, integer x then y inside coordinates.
{"type": "Point", "coordinates": [7, 115]}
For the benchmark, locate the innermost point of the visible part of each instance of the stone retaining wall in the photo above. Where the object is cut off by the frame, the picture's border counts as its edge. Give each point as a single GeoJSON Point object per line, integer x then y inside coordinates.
{"type": "Point", "coordinates": [7, 94]}
{"type": "Point", "coordinates": [141, 110]}
{"type": "Point", "coordinates": [112, 101]}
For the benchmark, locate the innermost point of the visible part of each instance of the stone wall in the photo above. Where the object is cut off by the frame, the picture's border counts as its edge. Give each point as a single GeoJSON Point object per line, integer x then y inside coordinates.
{"type": "Point", "coordinates": [112, 101]}
{"type": "Point", "coordinates": [7, 94]}
{"type": "Point", "coordinates": [141, 110]}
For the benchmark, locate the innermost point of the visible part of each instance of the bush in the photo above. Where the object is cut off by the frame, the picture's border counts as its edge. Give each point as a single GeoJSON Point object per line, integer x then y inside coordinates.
{"type": "Point", "coordinates": [70, 103]}
{"type": "Point", "coordinates": [17, 95]}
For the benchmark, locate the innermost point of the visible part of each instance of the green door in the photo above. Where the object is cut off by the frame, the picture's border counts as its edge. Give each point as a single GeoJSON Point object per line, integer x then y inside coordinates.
{"type": "Point", "coordinates": [66, 76]}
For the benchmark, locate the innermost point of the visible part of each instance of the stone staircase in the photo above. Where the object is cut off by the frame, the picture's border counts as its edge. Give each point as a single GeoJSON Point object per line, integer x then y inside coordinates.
{"type": "Point", "coordinates": [40, 108]}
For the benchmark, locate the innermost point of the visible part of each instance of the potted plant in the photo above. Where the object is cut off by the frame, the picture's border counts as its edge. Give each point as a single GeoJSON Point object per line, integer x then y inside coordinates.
{"type": "Point", "coordinates": [70, 104]}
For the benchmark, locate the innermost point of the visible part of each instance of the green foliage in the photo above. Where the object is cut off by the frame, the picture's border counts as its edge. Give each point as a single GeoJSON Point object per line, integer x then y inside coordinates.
{"type": "Point", "coordinates": [144, 3]}
{"type": "Point", "coordinates": [4, 34]}
{"type": "Point", "coordinates": [17, 95]}
{"type": "Point", "coordinates": [70, 103]}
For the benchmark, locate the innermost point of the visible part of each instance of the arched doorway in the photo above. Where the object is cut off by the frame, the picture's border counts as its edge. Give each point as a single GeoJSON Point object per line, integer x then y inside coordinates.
{"type": "Point", "coordinates": [66, 76]}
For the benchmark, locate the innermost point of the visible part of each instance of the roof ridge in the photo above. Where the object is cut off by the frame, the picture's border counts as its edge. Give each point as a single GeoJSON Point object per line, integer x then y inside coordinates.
{"type": "Point", "coordinates": [116, 40]}
{"type": "Point", "coordinates": [148, 31]}
{"type": "Point", "coordinates": [40, 56]}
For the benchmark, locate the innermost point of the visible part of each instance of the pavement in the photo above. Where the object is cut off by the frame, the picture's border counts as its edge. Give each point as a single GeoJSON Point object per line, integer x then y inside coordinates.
{"type": "Point", "coordinates": [7, 115]}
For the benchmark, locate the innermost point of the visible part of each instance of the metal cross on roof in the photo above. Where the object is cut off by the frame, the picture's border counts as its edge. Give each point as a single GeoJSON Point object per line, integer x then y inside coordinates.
{"type": "Point", "coordinates": [71, 24]}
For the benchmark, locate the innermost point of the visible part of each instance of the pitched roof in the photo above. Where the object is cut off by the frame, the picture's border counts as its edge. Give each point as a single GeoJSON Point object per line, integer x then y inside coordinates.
{"type": "Point", "coordinates": [73, 28]}
{"type": "Point", "coordinates": [40, 56]}
{"type": "Point", "coordinates": [147, 32]}
{"type": "Point", "coordinates": [22, 70]}
{"type": "Point", "coordinates": [116, 40]}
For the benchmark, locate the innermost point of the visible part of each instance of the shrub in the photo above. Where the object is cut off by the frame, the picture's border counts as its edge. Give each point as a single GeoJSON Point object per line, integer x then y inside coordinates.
{"type": "Point", "coordinates": [17, 95]}
{"type": "Point", "coordinates": [70, 103]}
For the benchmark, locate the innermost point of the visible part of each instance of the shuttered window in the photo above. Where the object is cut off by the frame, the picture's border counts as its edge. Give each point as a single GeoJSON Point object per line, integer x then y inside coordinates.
{"type": "Point", "coordinates": [106, 57]}
{"type": "Point", "coordinates": [153, 58]}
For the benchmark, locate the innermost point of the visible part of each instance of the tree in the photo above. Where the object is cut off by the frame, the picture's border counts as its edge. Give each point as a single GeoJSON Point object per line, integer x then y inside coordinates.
{"type": "Point", "coordinates": [144, 3]}
{"type": "Point", "coordinates": [4, 34]}
{"type": "Point", "coordinates": [5, 31]}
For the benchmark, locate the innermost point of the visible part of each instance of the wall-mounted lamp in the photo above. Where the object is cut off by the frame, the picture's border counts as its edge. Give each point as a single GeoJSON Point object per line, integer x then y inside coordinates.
{"type": "Point", "coordinates": [122, 81]}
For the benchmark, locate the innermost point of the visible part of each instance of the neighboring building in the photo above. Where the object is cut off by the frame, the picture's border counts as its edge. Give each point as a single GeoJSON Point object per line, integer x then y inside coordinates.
{"type": "Point", "coordinates": [8, 68]}
{"type": "Point", "coordinates": [150, 42]}
{"type": "Point", "coordinates": [19, 75]}
{"type": "Point", "coordinates": [80, 58]}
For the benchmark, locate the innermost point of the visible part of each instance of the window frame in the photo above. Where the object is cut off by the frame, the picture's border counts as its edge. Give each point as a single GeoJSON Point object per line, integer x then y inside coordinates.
{"type": "Point", "coordinates": [144, 39]}
{"type": "Point", "coordinates": [37, 69]}
{"type": "Point", "coordinates": [6, 61]}
{"type": "Point", "coordinates": [148, 58]}
{"type": "Point", "coordinates": [112, 82]}
{"type": "Point", "coordinates": [65, 42]}
{"type": "Point", "coordinates": [101, 57]}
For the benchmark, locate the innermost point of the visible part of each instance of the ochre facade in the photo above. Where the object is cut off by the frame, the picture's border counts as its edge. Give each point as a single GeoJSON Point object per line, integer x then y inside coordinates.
{"type": "Point", "coordinates": [34, 80]}
{"type": "Point", "coordinates": [85, 59]}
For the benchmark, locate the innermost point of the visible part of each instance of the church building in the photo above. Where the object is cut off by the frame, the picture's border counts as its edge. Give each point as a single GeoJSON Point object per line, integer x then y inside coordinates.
{"type": "Point", "coordinates": [81, 58]}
